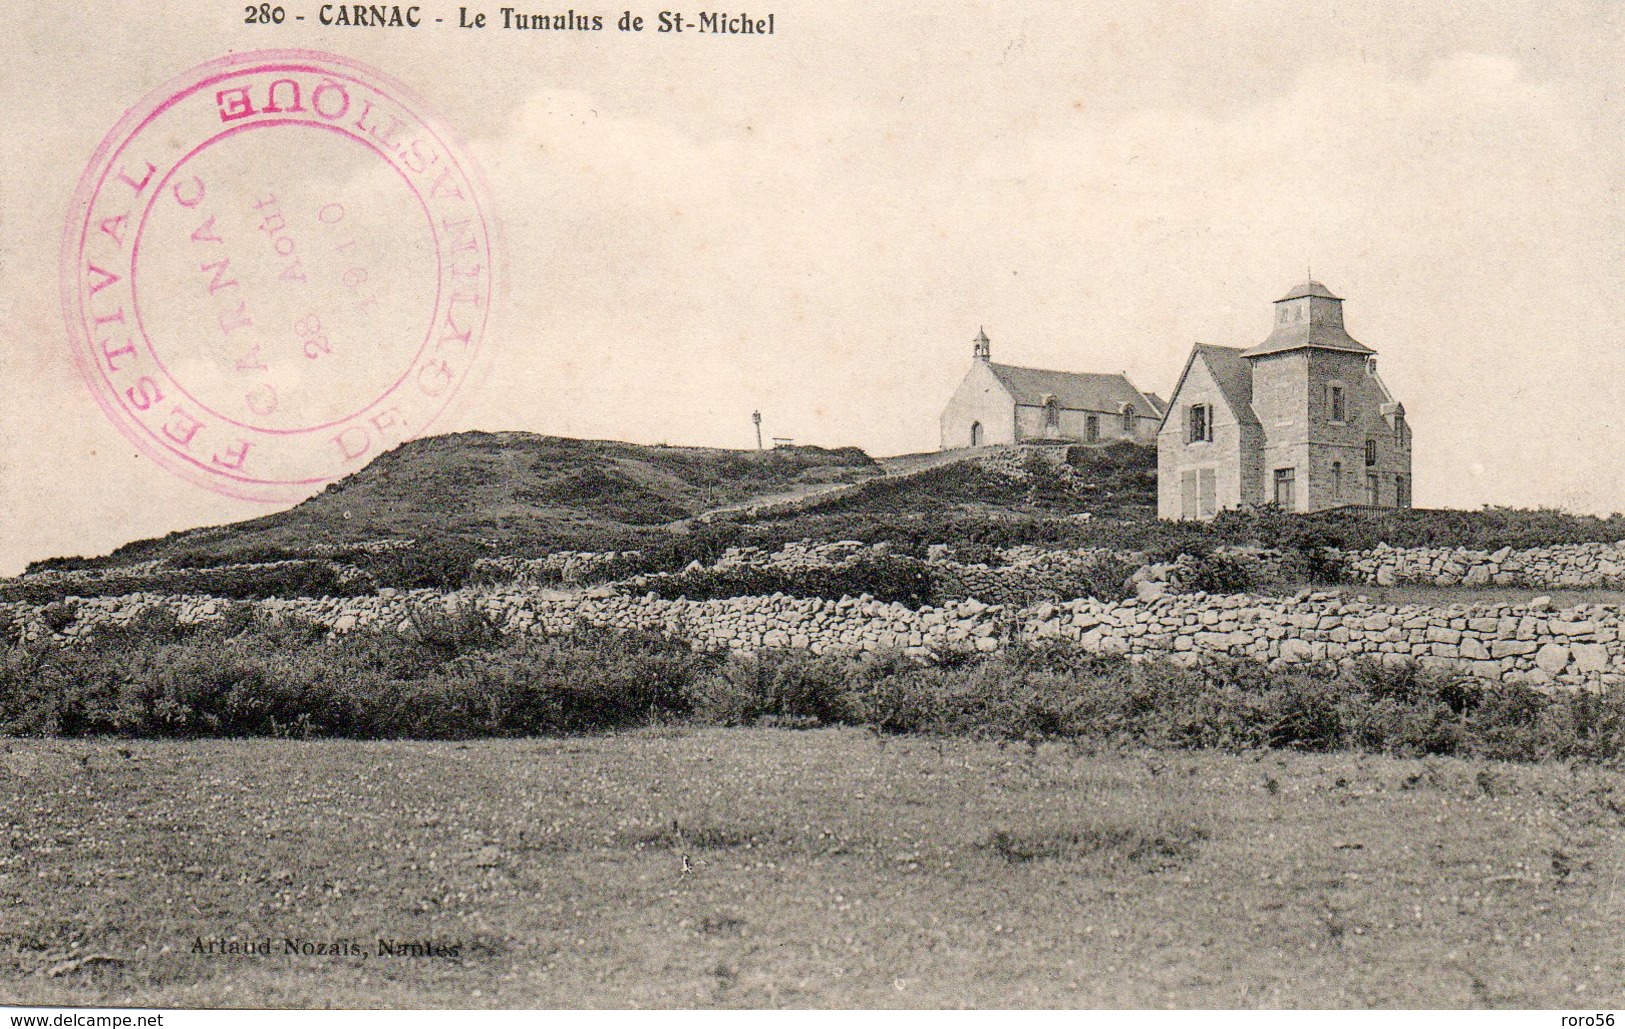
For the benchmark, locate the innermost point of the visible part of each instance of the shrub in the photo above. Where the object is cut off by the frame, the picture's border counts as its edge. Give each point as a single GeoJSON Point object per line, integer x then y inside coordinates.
{"type": "Point", "coordinates": [785, 684]}
{"type": "Point", "coordinates": [453, 676]}
{"type": "Point", "coordinates": [1106, 578]}
{"type": "Point", "coordinates": [246, 582]}
{"type": "Point", "coordinates": [452, 630]}
{"type": "Point", "coordinates": [444, 564]}
{"type": "Point", "coordinates": [590, 681]}
{"type": "Point", "coordinates": [1213, 573]}
{"type": "Point", "coordinates": [886, 578]}
{"type": "Point", "coordinates": [59, 615]}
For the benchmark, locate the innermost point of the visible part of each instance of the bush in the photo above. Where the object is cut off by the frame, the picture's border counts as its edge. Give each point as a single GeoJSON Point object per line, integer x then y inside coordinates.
{"type": "Point", "coordinates": [453, 676]}
{"type": "Point", "coordinates": [1213, 573]}
{"type": "Point", "coordinates": [890, 579]}
{"type": "Point", "coordinates": [293, 678]}
{"type": "Point", "coordinates": [450, 631]}
{"type": "Point", "coordinates": [247, 582]}
{"type": "Point", "coordinates": [1104, 579]}
{"type": "Point", "coordinates": [444, 564]}
{"type": "Point", "coordinates": [793, 685]}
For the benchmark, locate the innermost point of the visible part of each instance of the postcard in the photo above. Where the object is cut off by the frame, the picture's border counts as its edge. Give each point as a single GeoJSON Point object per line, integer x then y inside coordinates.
{"type": "Point", "coordinates": [816, 505]}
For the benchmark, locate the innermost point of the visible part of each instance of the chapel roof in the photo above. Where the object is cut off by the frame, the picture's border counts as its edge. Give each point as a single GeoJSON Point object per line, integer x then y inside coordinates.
{"type": "Point", "coordinates": [1074, 391]}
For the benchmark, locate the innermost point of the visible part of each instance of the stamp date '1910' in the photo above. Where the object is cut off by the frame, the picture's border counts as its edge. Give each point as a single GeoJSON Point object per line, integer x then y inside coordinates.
{"type": "Point", "coordinates": [275, 267]}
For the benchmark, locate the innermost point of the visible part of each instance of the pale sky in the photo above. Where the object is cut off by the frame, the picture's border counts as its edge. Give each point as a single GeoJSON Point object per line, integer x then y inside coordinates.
{"type": "Point", "coordinates": [816, 223]}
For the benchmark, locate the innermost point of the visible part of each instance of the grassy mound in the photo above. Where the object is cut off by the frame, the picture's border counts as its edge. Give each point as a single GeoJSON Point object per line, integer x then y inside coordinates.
{"type": "Point", "coordinates": [504, 492]}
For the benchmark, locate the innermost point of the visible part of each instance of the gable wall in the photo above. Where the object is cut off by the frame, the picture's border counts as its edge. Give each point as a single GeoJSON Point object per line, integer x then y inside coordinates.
{"type": "Point", "coordinates": [1223, 456]}
{"type": "Point", "coordinates": [979, 398]}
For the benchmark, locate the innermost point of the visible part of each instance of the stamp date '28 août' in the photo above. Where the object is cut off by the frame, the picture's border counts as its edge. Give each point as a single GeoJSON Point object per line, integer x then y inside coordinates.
{"type": "Point", "coordinates": [275, 267]}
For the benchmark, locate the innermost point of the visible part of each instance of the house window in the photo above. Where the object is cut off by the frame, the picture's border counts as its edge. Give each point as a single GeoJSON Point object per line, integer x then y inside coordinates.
{"type": "Point", "coordinates": [976, 434]}
{"type": "Point", "coordinates": [1336, 408]}
{"type": "Point", "coordinates": [1286, 488]}
{"type": "Point", "coordinates": [1128, 420]}
{"type": "Point", "coordinates": [1373, 489]}
{"type": "Point", "coordinates": [1201, 424]}
{"type": "Point", "coordinates": [1402, 491]}
{"type": "Point", "coordinates": [1091, 428]}
{"type": "Point", "coordinates": [1052, 415]}
{"type": "Point", "coordinates": [1337, 480]}
{"type": "Point", "coordinates": [1399, 429]}
{"type": "Point", "coordinates": [1370, 452]}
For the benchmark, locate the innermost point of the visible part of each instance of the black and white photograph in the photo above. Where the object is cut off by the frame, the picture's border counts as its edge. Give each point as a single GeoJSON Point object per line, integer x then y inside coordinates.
{"type": "Point", "coordinates": [834, 506]}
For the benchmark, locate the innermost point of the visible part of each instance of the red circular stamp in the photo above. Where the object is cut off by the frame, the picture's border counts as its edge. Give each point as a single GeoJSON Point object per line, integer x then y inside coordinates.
{"type": "Point", "coordinates": [275, 267]}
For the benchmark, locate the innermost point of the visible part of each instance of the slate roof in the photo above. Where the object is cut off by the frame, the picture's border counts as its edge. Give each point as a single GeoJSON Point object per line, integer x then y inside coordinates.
{"type": "Point", "coordinates": [1073, 391]}
{"type": "Point", "coordinates": [1234, 374]}
{"type": "Point", "coordinates": [1310, 289]}
{"type": "Point", "coordinates": [1295, 335]}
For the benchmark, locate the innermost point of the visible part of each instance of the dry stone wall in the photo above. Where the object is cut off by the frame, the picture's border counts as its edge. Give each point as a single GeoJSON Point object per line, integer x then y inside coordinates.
{"type": "Point", "coordinates": [1532, 643]}
{"type": "Point", "coordinates": [1574, 566]}
{"type": "Point", "coordinates": [559, 566]}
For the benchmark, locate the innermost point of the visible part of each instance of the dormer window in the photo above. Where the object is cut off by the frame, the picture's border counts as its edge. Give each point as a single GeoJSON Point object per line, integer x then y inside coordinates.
{"type": "Point", "coordinates": [1200, 426]}
{"type": "Point", "coordinates": [1336, 404]}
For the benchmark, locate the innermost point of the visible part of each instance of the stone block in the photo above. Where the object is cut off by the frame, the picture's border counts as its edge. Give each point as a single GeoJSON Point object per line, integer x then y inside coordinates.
{"type": "Point", "coordinates": [1295, 650]}
{"type": "Point", "coordinates": [1563, 628]}
{"type": "Point", "coordinates": [1552, 658]}
{"type": "Point", "coordinates": [1590, 657]}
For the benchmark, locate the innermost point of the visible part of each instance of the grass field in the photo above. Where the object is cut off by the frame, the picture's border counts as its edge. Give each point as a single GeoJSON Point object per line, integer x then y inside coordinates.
{"type": "Point", "coordinates": [772, 867]}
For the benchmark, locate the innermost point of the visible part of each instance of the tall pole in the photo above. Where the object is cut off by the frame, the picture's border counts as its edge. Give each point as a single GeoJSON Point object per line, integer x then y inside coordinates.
{"type": "Point", "coordinates": [756, 416]}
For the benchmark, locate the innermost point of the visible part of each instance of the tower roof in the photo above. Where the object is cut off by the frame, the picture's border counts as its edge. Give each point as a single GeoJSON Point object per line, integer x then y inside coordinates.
{"type": "Point", "coordinates": [1315, 323]}
{"type": "Point", "coordinates": [1310, 288]}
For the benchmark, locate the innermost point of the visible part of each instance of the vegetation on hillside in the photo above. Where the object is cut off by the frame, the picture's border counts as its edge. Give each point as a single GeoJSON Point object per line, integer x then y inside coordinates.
{"type": "Point", "coordinates": [510, 492]}
{"type": "Point", "coordinates": [452, 500]}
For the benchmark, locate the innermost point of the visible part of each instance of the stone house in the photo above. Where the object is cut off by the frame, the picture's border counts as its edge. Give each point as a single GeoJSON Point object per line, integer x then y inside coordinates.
{"type": "Point", "coordinates": [1003, 403]}
{"type": "Point", "coordinates": [1301, 420]}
